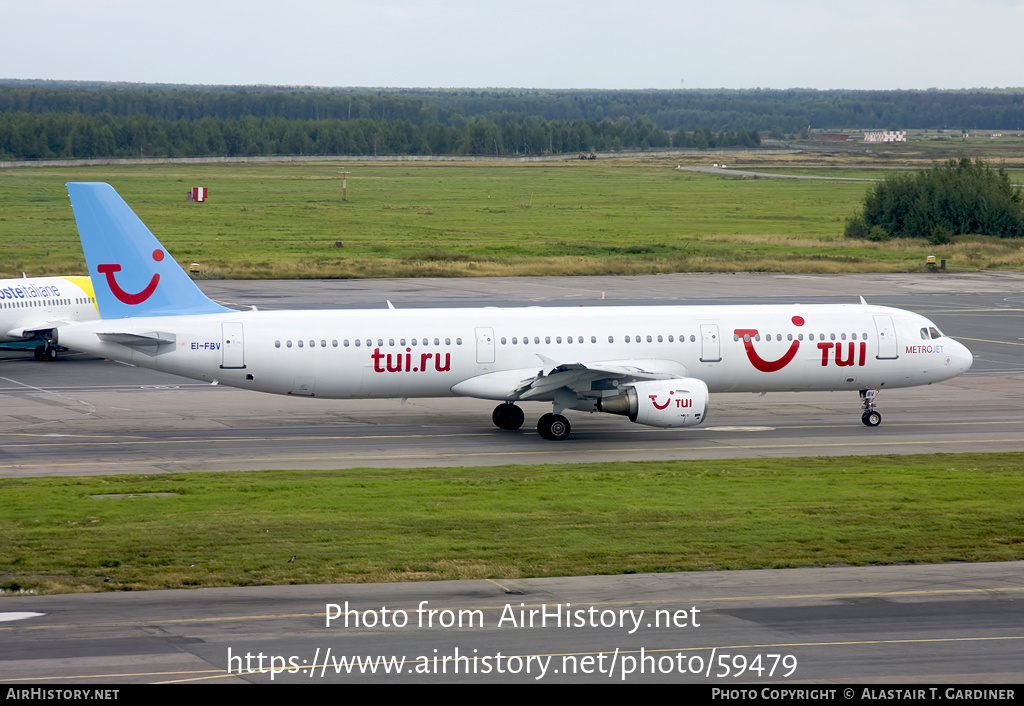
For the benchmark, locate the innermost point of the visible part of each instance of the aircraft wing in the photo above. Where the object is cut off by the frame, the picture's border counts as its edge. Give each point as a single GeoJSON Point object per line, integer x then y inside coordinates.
{"type": "Point", "coordinates": [30, 328]}
{"type": "Point", "coordinates": [580, 378]}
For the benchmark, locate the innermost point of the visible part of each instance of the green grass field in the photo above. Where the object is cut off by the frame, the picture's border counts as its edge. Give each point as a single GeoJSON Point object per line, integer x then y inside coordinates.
{"type": "Point", "coordinates": [370, 525]}
{"type": "Point", "coordinates": [615, 216]}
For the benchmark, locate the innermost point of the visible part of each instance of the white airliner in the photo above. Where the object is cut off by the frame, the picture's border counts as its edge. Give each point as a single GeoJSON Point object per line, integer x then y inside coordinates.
{"type": "Point", "coordinates": [653, 364]}
{"type": "Point", "coordinates": [31, 309]}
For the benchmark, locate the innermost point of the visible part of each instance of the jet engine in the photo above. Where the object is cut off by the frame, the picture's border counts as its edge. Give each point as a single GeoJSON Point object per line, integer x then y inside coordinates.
{"type": "Point", "coordinates": [682, 402]}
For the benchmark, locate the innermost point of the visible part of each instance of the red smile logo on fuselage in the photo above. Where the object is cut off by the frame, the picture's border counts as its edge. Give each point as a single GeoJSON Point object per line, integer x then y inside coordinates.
{"type": "Point", "coordinates": [127, 297]}
{"type": "Point", "coordinates": [767, 366]}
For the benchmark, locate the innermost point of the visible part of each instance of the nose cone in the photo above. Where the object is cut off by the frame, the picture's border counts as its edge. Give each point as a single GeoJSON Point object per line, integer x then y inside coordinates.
{"type": "Point", "coordinates": [962, 359]}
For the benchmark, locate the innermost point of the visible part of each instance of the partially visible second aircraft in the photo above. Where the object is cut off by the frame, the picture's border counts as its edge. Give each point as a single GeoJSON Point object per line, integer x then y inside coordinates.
{"type": "Point", "coordinates": [32, 308]}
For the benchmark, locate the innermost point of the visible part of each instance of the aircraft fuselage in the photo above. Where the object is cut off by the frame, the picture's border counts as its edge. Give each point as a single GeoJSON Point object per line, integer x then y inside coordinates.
{"type": "Point", "coordinates": [427, 352]}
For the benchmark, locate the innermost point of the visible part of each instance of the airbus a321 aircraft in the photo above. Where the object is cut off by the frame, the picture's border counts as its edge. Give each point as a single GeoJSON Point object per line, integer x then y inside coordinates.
{"type": "Point", "coordinates": [31, 309]}
{"type": "Point", "coordinates": [653, 364]}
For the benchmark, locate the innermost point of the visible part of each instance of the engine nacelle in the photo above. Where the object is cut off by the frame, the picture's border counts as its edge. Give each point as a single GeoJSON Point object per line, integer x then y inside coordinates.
{"type": "Point", "coordinates": [682, 402]}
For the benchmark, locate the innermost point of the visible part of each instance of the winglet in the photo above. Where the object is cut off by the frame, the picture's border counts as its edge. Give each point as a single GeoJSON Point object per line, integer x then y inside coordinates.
{"type": "Point", "coordinates": [863, 301]}
{"type": "Point", "coordinates": [132, 273]}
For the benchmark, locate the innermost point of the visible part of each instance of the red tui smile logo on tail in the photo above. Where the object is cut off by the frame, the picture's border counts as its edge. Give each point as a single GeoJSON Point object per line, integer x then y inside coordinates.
{"type": "Point", "coordinates": [127, 297]}
{"type": "Point", "coordinates": [768, 366]}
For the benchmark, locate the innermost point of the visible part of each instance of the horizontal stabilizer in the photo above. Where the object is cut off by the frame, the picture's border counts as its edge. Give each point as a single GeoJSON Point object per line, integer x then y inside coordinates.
{"type": "Point", "coordinates": [135, 340]}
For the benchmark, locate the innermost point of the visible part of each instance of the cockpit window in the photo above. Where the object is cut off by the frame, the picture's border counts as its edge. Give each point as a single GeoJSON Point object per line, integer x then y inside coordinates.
{"type": "Point", "coordinates": [934, 332]}
{"type": "Point", "coordinates": [924, 334]}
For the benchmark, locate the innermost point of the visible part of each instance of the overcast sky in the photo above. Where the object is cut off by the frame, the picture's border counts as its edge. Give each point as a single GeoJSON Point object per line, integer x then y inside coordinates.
{"type": "Point", "coordinates": [871, 44]}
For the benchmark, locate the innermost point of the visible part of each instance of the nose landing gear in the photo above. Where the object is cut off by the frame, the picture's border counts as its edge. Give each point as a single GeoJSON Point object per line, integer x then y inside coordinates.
{"type": "Point", "coordinates": [871, 416]}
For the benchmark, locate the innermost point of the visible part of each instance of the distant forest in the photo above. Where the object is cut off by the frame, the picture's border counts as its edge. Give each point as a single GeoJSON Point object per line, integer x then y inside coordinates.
{"type": "Point", "coordinates": [47, 120]}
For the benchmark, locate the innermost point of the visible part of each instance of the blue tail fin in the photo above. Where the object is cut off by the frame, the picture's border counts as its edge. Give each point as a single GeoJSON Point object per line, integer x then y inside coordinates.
{"type": "Point", "coordinates": [132, 274]}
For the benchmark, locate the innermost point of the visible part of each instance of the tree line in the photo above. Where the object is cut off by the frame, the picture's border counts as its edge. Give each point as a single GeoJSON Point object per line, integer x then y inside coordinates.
{"type": "Point", "coordinates": [48, 119]}
{"type": "Point", "coordinates": [787, 111]}
{"type": "Point", "coordinates": [78, 136]}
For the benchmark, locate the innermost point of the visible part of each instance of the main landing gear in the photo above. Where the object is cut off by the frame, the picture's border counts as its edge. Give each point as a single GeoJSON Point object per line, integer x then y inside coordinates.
{"type": "Point", "coordinates": [871, 416]}
{"type": "Point", "coordinates": [47, 352]}
{"type": "Point", "coordinates": [508, 416]}
{"type": "Point", "coordinates": [553, 427]}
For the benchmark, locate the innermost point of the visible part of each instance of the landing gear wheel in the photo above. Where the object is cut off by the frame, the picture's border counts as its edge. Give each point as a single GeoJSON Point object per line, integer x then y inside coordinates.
{"type": "Point", "coordinates": [46, 352]}
{"type": "Point", "coordinates": [871, 417]}
{"type": "Point", "coordinates": [508, 416]}
{"type": "Point", "coordinates": [553, 427]}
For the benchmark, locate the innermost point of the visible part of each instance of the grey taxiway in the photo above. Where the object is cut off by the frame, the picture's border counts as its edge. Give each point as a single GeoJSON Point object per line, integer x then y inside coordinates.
{"type": "Point", "coordinates": [88, 416]}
